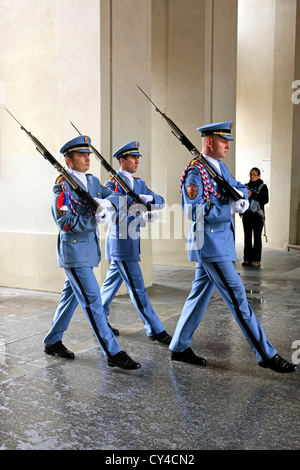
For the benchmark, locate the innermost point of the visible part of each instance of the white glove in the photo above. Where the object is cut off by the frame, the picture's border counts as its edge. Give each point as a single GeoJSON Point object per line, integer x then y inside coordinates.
{"type": "Point", "coordinates": [105, 203]}
{"type": "Point", "coordinates": [239, 207]}
{"type": "Point", "coordinates": [146, 198]}
{"type": "Point", "coordinates": [105, 211]}
{"type": "Point", "coordinates": [150, 216]}
{"type": "Point", "coordinates": [102, 216]}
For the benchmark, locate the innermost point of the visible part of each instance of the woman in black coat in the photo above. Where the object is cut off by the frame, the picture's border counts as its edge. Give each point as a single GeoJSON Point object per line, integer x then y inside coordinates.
{"type": "Point", "coordinates": [253, 219]}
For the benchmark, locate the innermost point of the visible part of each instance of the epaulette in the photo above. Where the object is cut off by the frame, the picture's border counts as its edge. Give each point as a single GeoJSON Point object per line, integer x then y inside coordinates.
{"type": "Point", "coordinates": [59, 179]}
{"type": "Point", "coordinates": [192, 162]}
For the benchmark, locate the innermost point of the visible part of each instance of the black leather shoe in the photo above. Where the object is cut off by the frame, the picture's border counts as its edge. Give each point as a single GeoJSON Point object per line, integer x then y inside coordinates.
{"type": "Point", "coordinates": [161, 337]}
{"type": "Point", "coordinates": [59, 349]}
{"type": "Point", "coordinates": [122, 360]}
{"type": "Point", "coordinates": [188, 356]}
{"type": "Point", "coordinates": [278, 364]}
{"type": "Point", "coordinates": [114, 330]}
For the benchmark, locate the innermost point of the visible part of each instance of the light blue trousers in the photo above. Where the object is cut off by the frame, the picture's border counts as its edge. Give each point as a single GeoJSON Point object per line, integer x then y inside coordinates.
{"type": "Point", "coordinates": [224, 277]}
{"type": "Point", "coordinates": [130, 272]}
{"type": "Point", "coordinates": [81, 287]}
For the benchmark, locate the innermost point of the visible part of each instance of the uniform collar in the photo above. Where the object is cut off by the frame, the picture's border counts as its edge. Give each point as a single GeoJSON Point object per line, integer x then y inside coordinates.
{"type": "Point", "coordinates": [128, 176]}
{"type": "Point", "coordinates": [81, 177]}
{"type": "Point", "coordinates": [215, 163]}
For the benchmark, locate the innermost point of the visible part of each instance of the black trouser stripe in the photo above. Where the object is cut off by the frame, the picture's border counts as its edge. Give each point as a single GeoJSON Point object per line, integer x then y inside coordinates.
{"type": "Point", "coordinates": [89, 312]}
{"type": "Point", "coordinates": [140, 306]}
{"type": "Point", "coordinates": [238, 312]}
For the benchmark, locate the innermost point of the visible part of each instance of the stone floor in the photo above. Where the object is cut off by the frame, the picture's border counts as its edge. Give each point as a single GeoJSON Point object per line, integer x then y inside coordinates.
{"type": "Point", "coordinates": [48, 403]}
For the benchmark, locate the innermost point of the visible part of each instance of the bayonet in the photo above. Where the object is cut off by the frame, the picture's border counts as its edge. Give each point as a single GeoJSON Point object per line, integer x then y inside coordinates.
{"type": "Point", "coordinates": [117, 177]}
{"type": "Point", "coordinates": [47, 155]}
{"type": "Point", "coordinates": [229, 190]}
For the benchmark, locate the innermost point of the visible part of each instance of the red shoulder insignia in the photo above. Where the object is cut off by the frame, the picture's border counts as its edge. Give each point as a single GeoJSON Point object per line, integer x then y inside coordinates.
{"type": "Point", "coordinates": [192, 191]}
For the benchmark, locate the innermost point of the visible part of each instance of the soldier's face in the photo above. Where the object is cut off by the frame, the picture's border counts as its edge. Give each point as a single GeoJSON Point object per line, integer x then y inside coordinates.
{"type": "Point", "coordinates": [219, 147]}
{"type": "Point", "coordinates": [130, 163]}
{"type": "Point", "coordinates": [80, 161]}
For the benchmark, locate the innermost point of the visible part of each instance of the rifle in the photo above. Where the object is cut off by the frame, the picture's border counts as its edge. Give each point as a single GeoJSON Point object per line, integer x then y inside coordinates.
{"type": "Point", "coordinates": [229, 190]}
{"type": "Point", "coordinates": [47, 155]}
{"type": "Point", "coordinates": [117, 177]}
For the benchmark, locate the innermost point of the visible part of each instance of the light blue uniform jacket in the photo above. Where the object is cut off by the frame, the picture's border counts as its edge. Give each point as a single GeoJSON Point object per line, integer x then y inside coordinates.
{"type": "Point", "coordinates": [78, 238]}
{"type": "Point", "coordinates": [217, 241]}
{"type": "Point", "coordinates": [123, 238]}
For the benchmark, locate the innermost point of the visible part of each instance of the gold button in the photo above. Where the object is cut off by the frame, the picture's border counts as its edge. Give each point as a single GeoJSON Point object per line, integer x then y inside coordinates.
{"type": "Point", "coordinates": [215, 183]}
{"type": "Point", "coordinates": [211, 230]}
{"type": "Point", "coordinates": [74, 241]}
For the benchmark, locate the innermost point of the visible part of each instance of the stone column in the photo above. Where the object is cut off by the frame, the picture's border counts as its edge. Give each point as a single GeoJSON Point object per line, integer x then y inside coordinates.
{"type": "Point", "coordinates": [194, 83]}
{"type": "Point", "coordinates": [125, 60]}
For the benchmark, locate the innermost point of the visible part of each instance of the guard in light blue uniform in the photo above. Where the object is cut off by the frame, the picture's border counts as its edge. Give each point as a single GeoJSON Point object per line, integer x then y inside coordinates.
{"type": "Point", "coordinates": [208, 208]}
{"type": "Point", "coordinates": [78, 251]}
{"type": "Point", "coordinates": [123, 245]}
